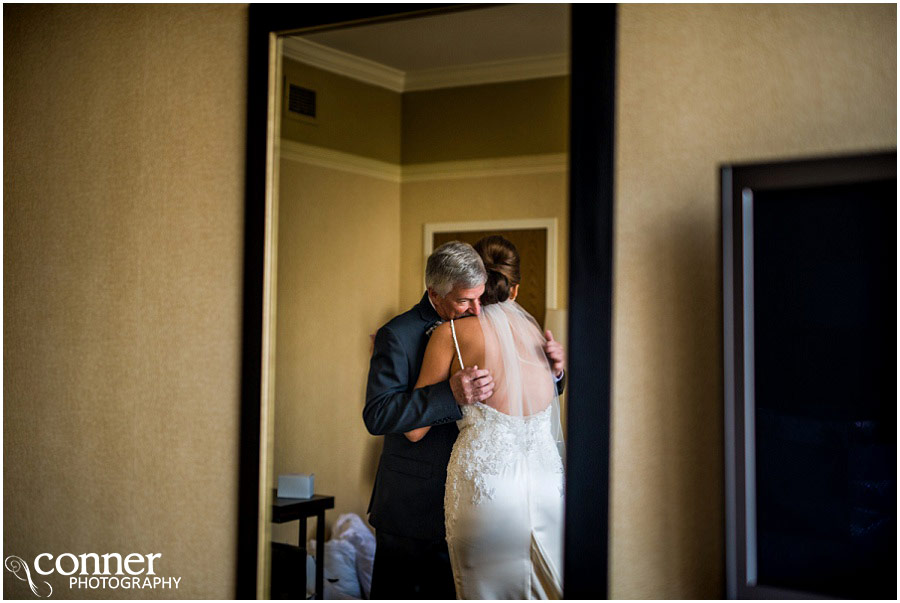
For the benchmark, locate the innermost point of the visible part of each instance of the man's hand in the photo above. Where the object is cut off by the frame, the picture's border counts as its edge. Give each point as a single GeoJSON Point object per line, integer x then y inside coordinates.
{"type": "Point", "coordinates": [471, 385]}
{"type": "Point", "coordinates": [555, 354]}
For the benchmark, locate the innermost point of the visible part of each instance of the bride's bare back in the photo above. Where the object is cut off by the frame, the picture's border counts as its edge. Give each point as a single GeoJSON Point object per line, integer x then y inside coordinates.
{"type": "Point", "coordinates": [504, 339]}
{"type": "Point", "coordinates": [523, 382]}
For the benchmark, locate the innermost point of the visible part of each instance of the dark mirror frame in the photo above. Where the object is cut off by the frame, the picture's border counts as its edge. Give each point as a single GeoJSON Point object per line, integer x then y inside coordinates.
{"type": "Point", "coordinates": [591, 157]}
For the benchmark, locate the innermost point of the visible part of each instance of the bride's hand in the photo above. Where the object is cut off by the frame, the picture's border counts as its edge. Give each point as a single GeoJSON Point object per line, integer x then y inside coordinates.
{"type": "Point", "coordinates": [471, 385]}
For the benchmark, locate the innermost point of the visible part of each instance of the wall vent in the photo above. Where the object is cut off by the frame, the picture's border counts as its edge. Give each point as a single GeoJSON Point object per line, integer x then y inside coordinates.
{"type": "Point", "coordinates": [302, 101]}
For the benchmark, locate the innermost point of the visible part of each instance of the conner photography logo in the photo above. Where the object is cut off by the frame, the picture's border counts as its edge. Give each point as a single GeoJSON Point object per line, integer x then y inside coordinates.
{"type": "Point", "coordinates": [92, 571]}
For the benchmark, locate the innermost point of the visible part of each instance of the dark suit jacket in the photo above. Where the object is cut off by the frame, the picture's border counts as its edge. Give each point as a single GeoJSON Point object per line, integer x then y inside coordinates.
{"type": "Point", "coordinates": [408, 497]}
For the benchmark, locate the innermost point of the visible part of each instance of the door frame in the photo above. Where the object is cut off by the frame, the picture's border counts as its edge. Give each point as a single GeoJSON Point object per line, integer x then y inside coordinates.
{"type": "Point", "coordinates": [550, 225]}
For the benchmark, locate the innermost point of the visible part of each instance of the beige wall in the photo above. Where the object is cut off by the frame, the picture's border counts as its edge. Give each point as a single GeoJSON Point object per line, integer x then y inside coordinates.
{"type": "Point", "coordinates": [339, 245]}
{"type": "Point", "coordinates": [351, 116]}
{"type": "Point", "coordinates": [699, 86]}
{"type": "Point", "coordinates": [123, 215]}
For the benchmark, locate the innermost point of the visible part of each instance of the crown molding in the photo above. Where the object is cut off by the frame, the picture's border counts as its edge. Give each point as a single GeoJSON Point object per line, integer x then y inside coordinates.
{"type": "Point", "coordinates": [489, 72]}
{"type": "Point", "coordinates": [343, 63]}
{"type": "Point", "coordinates": [396, 80]}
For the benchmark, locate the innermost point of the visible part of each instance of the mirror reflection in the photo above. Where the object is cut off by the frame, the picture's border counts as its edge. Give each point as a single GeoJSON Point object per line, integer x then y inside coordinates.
{"type": "Point", "coordinates": [431, 478]}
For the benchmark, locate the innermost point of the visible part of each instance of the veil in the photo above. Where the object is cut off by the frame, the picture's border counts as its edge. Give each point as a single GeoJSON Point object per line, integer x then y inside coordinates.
{"type": "Point", "coordinates": [513, 452]}
{"type": "Point", "coordinates": [524, 385]}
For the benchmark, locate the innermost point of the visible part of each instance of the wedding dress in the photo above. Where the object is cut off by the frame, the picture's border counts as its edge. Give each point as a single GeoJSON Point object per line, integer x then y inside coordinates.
{"type": "Point", "coordinates": [503, 501]}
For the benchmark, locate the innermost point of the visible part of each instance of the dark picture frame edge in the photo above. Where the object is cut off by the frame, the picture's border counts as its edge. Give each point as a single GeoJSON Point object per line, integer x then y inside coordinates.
{"type": "Point", "coordinates": [593, 56]}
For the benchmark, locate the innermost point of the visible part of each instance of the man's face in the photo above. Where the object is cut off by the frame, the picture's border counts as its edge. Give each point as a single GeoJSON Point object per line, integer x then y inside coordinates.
{"type": "Point", "coordinates": [458, 303]}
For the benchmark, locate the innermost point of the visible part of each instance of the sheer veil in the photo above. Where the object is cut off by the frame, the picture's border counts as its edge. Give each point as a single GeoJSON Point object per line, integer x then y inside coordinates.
{"type": "Point", "coordinates": [504, 500]}
{"type": "Point", "coordinates": [524, 385]}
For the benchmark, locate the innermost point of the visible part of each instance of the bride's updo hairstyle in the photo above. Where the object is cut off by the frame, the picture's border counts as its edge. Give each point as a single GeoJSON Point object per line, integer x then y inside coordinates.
{"type": "Point", "coordinates": [501, 260]}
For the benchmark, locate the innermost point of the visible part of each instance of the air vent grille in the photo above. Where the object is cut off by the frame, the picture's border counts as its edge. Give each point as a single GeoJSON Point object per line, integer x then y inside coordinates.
{"type": "Point", "coordinates": [302, 101]}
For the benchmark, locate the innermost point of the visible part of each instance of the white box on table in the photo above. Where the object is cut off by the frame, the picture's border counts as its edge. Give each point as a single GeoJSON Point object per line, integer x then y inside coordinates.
{"type": "Point", "coordinates": [296, 485]}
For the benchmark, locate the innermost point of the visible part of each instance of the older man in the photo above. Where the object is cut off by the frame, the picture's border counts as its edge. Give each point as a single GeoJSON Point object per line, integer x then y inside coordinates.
{"type": "Point", "coordinates": [407, 504]}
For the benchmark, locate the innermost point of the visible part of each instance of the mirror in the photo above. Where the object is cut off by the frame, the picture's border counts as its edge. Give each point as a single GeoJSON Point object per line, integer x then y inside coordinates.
{"type": "Point", "coordinates": [392, 138]}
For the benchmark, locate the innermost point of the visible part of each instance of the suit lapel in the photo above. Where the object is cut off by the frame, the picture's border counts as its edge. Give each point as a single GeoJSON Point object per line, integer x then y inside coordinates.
{"type": "Point", "coordinates": [426, 310]}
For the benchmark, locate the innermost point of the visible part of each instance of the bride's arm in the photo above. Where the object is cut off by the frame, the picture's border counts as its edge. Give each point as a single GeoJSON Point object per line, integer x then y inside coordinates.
{"type": "Point", "coordinates": [435, 367]}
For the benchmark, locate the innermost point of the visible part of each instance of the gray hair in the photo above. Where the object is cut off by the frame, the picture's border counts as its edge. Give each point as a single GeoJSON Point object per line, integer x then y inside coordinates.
{"type": "Point", "coordinates": [454, 264]}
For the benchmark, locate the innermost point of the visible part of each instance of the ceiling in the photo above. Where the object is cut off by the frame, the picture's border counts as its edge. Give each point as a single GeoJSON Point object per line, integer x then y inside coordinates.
{"type": "Point", "coordinates": [470, 37]}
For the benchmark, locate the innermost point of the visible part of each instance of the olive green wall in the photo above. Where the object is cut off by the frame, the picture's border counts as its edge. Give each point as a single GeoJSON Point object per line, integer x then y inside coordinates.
{"type": "Point", "coordinates": [352, 117]}
{"type": "Point", "coordinates": [426, 126]}
{"type": "Point", "coordinates": [123, 201]}
{"type": "Point", "coordinates": [699, 86]}
{"type": "Point", "coordinates": [490, 120]}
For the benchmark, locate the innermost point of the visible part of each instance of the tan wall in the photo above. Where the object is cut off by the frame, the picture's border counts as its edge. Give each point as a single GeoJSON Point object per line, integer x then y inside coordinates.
{"type": "Point", "coordinates": [485, 198]}
{"type": "Point", "coordinates": [699, 86]}
{"type": "Point", "coordinates": [490, 120]}
{"type": "Point", "coordinates": [123, 264]}
{"type": "Point", "coordinates": [123, 229]}
{"type": "Point", "coordinates": [338, 254]}
{"type": "Point", "coordinates": [352, 116]}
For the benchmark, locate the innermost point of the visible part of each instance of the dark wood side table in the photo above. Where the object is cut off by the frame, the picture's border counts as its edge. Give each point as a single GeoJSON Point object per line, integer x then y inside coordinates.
{"type": "Point", "coordinates": [290, 509]}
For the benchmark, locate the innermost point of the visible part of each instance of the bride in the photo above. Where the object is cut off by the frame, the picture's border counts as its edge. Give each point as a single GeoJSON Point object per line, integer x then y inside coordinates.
{"type": "Point", "coordinates": [503, 503]}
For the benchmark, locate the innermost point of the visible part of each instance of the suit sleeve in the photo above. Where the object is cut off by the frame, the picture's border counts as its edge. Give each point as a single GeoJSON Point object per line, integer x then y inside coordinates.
{"type": "Point", "coordinates": [561, 384]}
{"type": "Point", "coordinates": [390, 406]}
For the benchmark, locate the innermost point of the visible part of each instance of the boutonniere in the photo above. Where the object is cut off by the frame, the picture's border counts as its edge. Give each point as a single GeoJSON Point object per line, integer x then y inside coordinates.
{"type": "Point", "coordinates": [433, 327]}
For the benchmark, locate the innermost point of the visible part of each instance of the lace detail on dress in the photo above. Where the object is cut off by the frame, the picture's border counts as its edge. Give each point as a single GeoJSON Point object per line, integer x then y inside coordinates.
{"type": "Point", "coordinates": [491, 442]}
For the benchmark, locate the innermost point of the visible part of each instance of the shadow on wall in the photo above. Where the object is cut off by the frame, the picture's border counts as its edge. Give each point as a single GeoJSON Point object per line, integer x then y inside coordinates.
{"type": "Point", "coordinates": [695, 485]}
{"type": "Point", "coordinates": [370, 466]}
{"type": "Point", "coordinates": [682, 454]}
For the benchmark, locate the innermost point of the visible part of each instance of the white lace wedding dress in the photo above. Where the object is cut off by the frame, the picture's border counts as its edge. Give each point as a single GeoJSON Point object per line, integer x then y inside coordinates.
{"type": "Point", "coordinates": [503, 502]}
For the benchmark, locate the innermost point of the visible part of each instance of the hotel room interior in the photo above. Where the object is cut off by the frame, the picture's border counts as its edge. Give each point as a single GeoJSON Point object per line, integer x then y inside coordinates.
{"type": "Point", "coordinates": [152, 229]}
